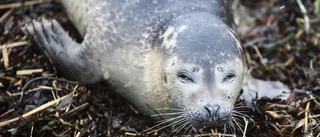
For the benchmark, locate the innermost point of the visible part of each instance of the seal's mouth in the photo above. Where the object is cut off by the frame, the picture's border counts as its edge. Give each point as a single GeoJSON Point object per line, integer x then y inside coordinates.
{"type": "Point", "coordinates": [210, 116]}
{"type": "Point", "coordinates": [187, 120]}
{"type": "Point", "coordinates": [212, 122]}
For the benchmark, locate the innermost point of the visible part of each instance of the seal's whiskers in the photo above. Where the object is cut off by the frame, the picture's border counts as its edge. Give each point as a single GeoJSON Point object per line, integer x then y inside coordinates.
{"type": "Point", "coordinates": [240, 126]}
{"type": "Point", "coordinates": [168, 122]}
{"type": "Point", "coordinates": [238, 116]}
{"type": "Point", "coordinates": [183, 126]}
{"type": "Point", "coordinates": [177, 118]}
{"type": "Point", "coordinates": [168, 114]}
{"type": "Point", "coordinates": [230, 126]}
{"type": "Point", "coordinates": [171, 109]}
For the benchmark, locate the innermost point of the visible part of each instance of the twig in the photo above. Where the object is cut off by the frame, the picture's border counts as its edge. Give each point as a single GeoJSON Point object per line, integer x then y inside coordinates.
{"type": "Point", "coordinates": [6, 113]}
{"type": "Point", "coordinates": [246, 122]}
{"type": "Point", "coordinates": [259, 55]}
{"type": "Point", "coordinates": [78, 108]}
{"type": "Point", "coordinates": [36, 89]}
{"type": "Point", "coordinates": [38, 109]}
{"type": "Point", "coordinates": [29, 71]}
{"type": "Point", "coordinates": [214, 134]}
{"type": "Point", "coordinates": [5, 15]}
{"type": "Point", "coordinates": [42, 78]}
{"type": "Point", "coordinates": [315, 116]}
{"type": "Point", "coordinates": [12, 45]}
{"type": "Point", "coordinates": [306, 115]}
{"type": "Point", "coordinates": [5, 57]}
{"type": "Point", "coordinates": [19, 4]}
{"type": "Point", "coordinates": [305, 16]}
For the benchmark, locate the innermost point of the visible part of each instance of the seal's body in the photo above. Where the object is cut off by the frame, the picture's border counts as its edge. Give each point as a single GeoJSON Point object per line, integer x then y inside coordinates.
{"type": "Point", "coordinates": [176, 55]}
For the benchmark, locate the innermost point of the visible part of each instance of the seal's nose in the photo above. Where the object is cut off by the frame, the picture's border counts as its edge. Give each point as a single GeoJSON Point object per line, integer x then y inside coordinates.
{"type": "Point", "coordinates": [212, 111]}
{"type": "Point", "coordinates": [216, 113]}
{"type": "Point", "coordinates": [210, 114]}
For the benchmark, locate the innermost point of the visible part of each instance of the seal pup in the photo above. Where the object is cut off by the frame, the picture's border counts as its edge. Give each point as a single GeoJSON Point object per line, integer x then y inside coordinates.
{"type": "Point", "coordinates": [176, 59]}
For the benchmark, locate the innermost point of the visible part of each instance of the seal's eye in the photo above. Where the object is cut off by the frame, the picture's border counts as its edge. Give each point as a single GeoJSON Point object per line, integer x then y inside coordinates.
{"type": "Point", "coordinates": [229, 78]}
{"type": "Point", "coordinates": [184, 77]}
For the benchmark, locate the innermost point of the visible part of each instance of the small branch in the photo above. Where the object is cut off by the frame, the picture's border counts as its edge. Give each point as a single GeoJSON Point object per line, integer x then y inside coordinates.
{"type": "Point", "coordinates": [12, 45]}
{"type": "Point", "coordinates": [5, 57]}
{"type": "Point", "coordinates": [36, 110]}
{"type": "Point", "coordinates": [305, 16]}
{"type": "Point", "coordinates": [306, 117]}
{"type": "Point", "coordinates": [29, 71]}
{"type": "Point", "coordinates": [259, 55]}
{"type": "Point", "coordinates": [5, 15]}
{"type": "Point", "coordinates": [245, 127]}
{"type": "Point", "coordinates": [19, 4]}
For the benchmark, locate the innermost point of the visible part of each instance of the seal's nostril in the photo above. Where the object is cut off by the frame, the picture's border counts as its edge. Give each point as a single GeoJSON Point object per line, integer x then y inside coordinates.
{"type": "Point", "coordinates": [212, 110]}
{"type": "Point", "coordinates": [217, 110]}
{"type": "Point", "coordinates": [208, 110]}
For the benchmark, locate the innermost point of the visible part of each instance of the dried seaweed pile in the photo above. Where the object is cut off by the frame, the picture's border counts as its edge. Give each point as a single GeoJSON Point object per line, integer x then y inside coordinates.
{"type": "Point", "coordinates": [281, 43]}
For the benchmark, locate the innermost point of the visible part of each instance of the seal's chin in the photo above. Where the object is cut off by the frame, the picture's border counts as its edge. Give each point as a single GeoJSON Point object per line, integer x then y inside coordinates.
{"type": "Point", "coordinates": [209, 116]}
{"type": "Point", "coordinates": [212, 122]}
{"type": "Point", "coordinates": [187, 119]}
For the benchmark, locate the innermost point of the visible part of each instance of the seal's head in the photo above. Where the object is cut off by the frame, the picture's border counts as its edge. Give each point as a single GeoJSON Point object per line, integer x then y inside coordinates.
{"type": "Point", "coordinates": [203, 69]}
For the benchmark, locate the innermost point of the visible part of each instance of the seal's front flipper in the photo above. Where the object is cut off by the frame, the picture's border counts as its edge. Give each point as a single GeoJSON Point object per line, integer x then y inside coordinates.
{"type": "Point", "coordinates": [50, 37]}
{"type": "Point", "coordinates": [68, 56]}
